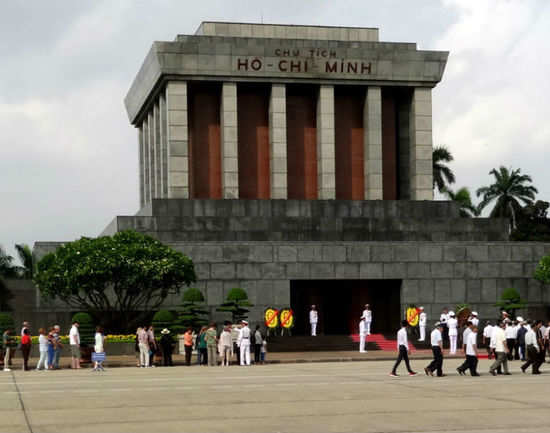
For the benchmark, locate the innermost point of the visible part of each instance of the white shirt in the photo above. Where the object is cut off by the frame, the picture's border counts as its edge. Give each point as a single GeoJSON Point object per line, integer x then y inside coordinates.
{"type": "Point", "coordinates": [98, 347]}
{"type": "Point", "coordinates": [225, 339]}
{"type": "Point", "coordinates": [470, 343]}
{"type": "Point", "coordinates": [367, 314]}
{"type": "Point", "coordinates": [402, 338]}
{"type": "Point", "coordinates": [244, 336]}
{"type": "Point", "coordinates": [531, 339]}
{"type": "Point", "coordinates": [475, 321]}
{"type": "Point", "coordinates": [452, 323]}
{"type": "Point", "coordinates": [509, 332]}
{"type": "Point", "coordinates": [443, 318]}
{"type": "Point", "coordinates": [362, 327]}
{"type": "Point", "coordinates": [43, 343]}
{"type": "Point", "coordinates": [74, 336]}
{"type": "Point", "coordinates": [423, 319]}
{"type": "Point", "coordinates": [465, 335]}
{"type": "Point", "coordinates": [500, 338]}
{"type": "Point", "coordinates": [435, 337]}
{"type": "Point", "coordinates": [488, 331]}
{"type": "Point", "coordinates": [313, 316]}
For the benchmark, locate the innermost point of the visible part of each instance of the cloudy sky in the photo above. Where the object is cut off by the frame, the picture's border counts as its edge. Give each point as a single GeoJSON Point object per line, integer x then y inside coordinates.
{"type": "Point", "coordinates": [68, 155]}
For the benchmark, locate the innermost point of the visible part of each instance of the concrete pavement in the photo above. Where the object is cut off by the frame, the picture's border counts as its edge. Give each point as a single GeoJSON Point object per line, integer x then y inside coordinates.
{"type": "Point", "coordinates": [313, 397]}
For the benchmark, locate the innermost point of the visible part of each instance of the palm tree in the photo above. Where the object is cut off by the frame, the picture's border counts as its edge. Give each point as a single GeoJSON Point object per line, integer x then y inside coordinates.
{"type": "Point", "coordinates": [464, 199]}
{"type": "Point", "coordinates": [442, 174]}
{"type": "Point", "coordinates": [510, 188]}
{"type": "Point", "coordinates": [25, 255]}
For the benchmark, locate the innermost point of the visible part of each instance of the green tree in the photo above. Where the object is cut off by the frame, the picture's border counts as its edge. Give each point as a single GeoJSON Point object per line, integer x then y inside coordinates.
{"type": "Point", "coordinates": [236, 303]}
{"type": "Point", "coordinates": [509, 189]}
{"type": "Point", "coordinates": [119, 278]}
{"type": "Point", "coordinates": [533, 223]}
{"type": "Point", "coordinates": [542, 271]}
{"type": "Point", "coordinates": [7, 267]}
{"type": "Point", "coordinates": [194, 312]}
{"type": "Point", "coordinates": [163, 319]}
{"type": "Point", "coordinates": [25, 256]}
{"type": "Point", "coordinates": [442, 174]}
{"type": "Point", "coordinates": [510, 301]}
{"type": "Point", "coordinates": [464, 199]}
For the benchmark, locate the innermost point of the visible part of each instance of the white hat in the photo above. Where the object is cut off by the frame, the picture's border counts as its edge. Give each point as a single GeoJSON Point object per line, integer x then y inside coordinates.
{"type": "Point", "coordinates": [451, 313]}
{"type": "Point", "coordinates": [474, 313]}
{"type": "Point", "coordinates": [165, 331]}
{"type": "Point", "coordinates": [245, 322]}
{"type": "Point", "coordinates": [519, 319]}
{"type": "Point", "coordinates": [421, 308]}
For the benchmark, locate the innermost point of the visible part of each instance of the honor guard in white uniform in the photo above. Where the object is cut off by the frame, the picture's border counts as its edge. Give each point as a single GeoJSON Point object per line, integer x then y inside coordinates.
{"type": "Point", "coordinates": [367, 315]}
{"type": "Point", "coordinates": [473, 318]}
{"type": "Point", "coordinates": [443, 318]}
{"type": "Point", "coordinates": [422, 320]}
{"type": "Point", "coordinates": [244, 343]}
{"type": "Point", "coordinates": [452, 324]}
{"type": "Point", "coordinates": [362, 335]}
{"type": "Point", "coordinates": [313, 319]}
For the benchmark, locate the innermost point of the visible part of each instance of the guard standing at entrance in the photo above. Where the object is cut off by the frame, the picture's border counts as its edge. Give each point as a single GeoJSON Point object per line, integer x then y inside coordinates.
{"type": "Point", "coordinates": [244, 343]}
{"type": "Point", "coordinates": [362, 335]}
{"type": "Point", "coordinates": [367, 315]}
{"type": "Point", "coordinates": [422, 324]}
{"type": "Point", "coordinates": [313, 319]}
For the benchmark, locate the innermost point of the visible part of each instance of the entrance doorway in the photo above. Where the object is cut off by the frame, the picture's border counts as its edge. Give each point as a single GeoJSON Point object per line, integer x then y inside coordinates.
{"type": "Point", "coordinates": [340, 304]}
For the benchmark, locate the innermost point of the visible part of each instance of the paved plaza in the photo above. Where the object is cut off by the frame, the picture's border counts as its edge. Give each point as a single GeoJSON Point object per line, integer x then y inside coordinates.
{"type": "Point", "coordinates": [310, 397]}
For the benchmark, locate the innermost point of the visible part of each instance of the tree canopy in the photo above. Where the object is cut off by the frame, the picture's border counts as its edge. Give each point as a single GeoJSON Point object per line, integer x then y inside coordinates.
{"type": "Point", "coordinates": [194, 312]}
{"type": "Point", "coordinates": [464, 199]}
{"type": "Point", "coordinates": [532, 223]}
{"type": "Point", "coordinates": [509, 189]}
{"type": "Point", "coordinates": [124, 276]}
{"type": "Point", "coordinates": [542, 271]}
{"type": "Point", "coordinates": [510, 301]}
{"type": "Point", "coordinates": [442, 174]}
{"type": "Point", "coordinates": [236, 303]}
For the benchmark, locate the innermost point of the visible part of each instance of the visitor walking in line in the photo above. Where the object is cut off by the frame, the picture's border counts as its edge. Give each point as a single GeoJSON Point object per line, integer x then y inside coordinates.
{"type": "Point", "coordinates": [99, 347]}
{"type": "Point", "coordinates": [487, 332]}
{"type": "Point", "coordinates": [263, 354]}
{"type": "Point", "coordinates": [465, 334]}
{"type": "Point", "coordinates": [8, 341]}
{"type": "Point", "coordinates": [58, 346]}
{"type": "Point", "coordinates": [188, 345]}
{"type": "Point", "coordinates": [501, 350]}
{"type": "Point", "coordinates": [152, 345]}
{"type": "Point", "coordinates": [540, 341]}
{"type": "Point", "coordinates": [244, 343]}
{"type": "Point", "coordinates": [258, 338]}
{"type": "Point", "coordinates": [74, 341]}
{"type": "Point", "coordinates": [202, 354]}
{"type": "Point", "coordinates": [511, 334]}
{"type": "Point", "coordinates": [51, 348]}
{"type": "Point", "coordinates": [521, 339]}
{"type": "Point", "coordinates": [403, 349]}
{"type": "Point", "coordinates": [471, 352]}
{"type": "Point", "coordinates": [452, 325]}
{"type": "Point", "coordinates": [226, 346]}
{"type": "Point", "coordinates": [136, 347]}
{"type": "Point", "coordinates": [532, 347]}
{"type": "Point", "coordinates": [422, 321]}
{"type": "Point", "coordinates": [436, 339]}
{"type": "Point", "coordinates": [313, 319]}
{"type": "Point", "coordinates": [167, 346]}
{"type": "Point", "coordinates": [443, 318]}
{"type": "Point", "coordinates": [235, 331]}
{"type": "Point", "coordinates": [143, 343]}
{"type": "Point", "coordinates": [43, 350]}
{"type": "Point", "coordinates": [211, 343]}
{"type": "Point", "coordinates": [26, 343]}
{"type": "Point", "coordinates": [26, 325]}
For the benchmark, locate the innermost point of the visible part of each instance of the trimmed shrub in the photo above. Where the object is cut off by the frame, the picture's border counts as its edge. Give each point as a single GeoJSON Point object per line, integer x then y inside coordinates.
{"type": "Point", "coordinates": [86, 328]}
{"type": "Point", "coordinates": [163, 319]}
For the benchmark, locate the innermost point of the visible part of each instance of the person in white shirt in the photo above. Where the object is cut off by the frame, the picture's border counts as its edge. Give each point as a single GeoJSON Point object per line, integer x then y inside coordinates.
{"type": "Point", "coordinates": [501, 350]}
{"type": "Point", "coordinates": [43, 347]}
{"type": "Point", "coordinates": [471, 351]}
{"type": "Point", "coordinates": [362, 335]}
{"type": "Point", "coordinates": [244, 343]}
{"type": "Point", "coordinates": [313, 319]}
{"type": "Point", "coordinates": [367, 315]}
{"type": "Point", "coordinates": [443, 318]}
{"type": "Point", "coordinates": [422, 320]}
{"type": "Point", "coordinates": [511, 334]}
{"type": "Point", "coordinates": [98, 347]}
{"type": "Point", "coordinates": [74, 340]}
{"type": "Point", "coordinates": [226, 346]}
{"type": "Point", "coordinates": [403, 348]}
{"type": "Point", "coordinates": [533, 349]}
{"type": "Point", "coordinates": [473, 318]}
{"type": "Point", "coordinates": [26, 325]}
{"type": "Point", "coordinates": [487, 332]}
{"type": "Point", "coordinates": [467, 331]}
{"type": "Point", "coordinates": [437, 350]}
{"type": "Point", "coordinates": [452, 324]}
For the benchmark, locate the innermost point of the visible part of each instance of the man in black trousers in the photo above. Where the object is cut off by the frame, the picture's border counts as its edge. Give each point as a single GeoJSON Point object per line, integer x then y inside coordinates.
{"type": "Point", "coordinates": [403, 348]}
{"type": "Point", "coordinates": [437, 349]}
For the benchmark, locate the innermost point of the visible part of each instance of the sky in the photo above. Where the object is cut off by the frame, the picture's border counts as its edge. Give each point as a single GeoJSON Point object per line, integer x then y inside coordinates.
{"type": "Point", "coordinates": [69, 156]}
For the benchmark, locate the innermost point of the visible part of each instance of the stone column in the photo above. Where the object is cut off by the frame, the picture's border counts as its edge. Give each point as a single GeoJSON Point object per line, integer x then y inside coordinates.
{"type": "Point", "coordinates": [326, 165]}
{"type": "Point", "coordinates": [373, 144]}
{"type": "Point", "coordinates": [404, 136]}
{"type": "Point", "coordinates": [146, 163]}
{"type": "Point", "coordinates": [229, 150]}
{"type": "Point", "coordinates": [141, 167]}
{"type": "Point", "coordinates": [277, 142]}
{"type": "Point", "coordinates": [177, 140]}
{"type": "Point", "coordinates": [163, 146]}
{"type": "Point", "coordinates": [157, 151]}
{"type": "Point", "coordinates": [420, 126]}
{"type": "Point", "coordinates": [151, 147]}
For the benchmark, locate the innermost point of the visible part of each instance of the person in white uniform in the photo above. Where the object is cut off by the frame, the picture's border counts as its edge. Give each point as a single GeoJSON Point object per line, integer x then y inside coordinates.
{"type": "Point", "coordinates": [443, 318]}
{"type": "Point", "coordinates": [452, 324]}
{"type": "Point", "coordinates": [422, 320]}
{"type": "Point", "coordinates": [473, 318]}
{"type": "Point", "coordinates": [367, 315]}
{"type": "Point", "coordinates": [243, 341]}
{"type": "Point", "coordinates": [313, 319]}
{"type": "Point", "coordinates": [362, 335]}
